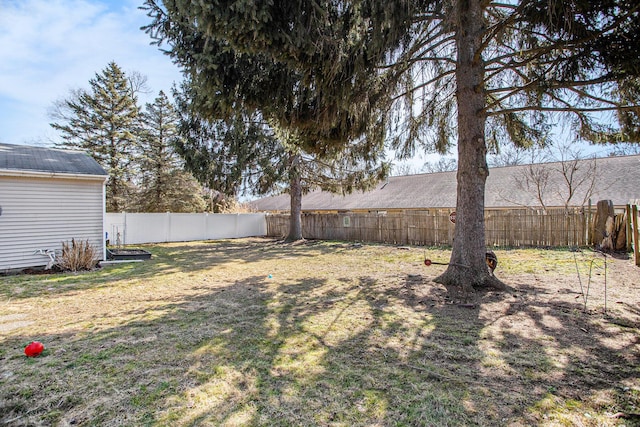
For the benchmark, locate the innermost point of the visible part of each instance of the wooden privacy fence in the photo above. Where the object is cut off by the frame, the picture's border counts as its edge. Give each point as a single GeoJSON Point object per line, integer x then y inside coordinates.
{"type": "Point", "coordinates": [512, 227]}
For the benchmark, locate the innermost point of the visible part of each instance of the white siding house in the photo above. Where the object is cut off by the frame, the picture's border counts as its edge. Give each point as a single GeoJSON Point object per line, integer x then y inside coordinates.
{"type": "Point", "coordinates": [47, 196]}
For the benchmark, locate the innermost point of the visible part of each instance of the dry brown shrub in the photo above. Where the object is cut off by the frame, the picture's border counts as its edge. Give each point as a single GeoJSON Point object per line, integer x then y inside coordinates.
{"type": "Point", "coordinates": [77, 256]}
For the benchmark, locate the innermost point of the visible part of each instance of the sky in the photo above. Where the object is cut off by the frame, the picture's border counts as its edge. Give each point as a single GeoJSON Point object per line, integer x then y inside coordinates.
{"type": "Point", "coordinates": [50, 47]}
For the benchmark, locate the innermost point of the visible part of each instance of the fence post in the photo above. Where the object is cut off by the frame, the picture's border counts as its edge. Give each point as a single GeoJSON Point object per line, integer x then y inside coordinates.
{"type": "Point", "coordinates": [205, 231]}
{"type": "Point", "coordinates": [636, 246]}
{"type": "Point", "coordinates": [628, 229]}
{"type": "Point", "coordinates": [589, 226]}
{"type": "Point", "coordinates": [167, 231]}
{"type": "Point", "coordinates": [124, 232]}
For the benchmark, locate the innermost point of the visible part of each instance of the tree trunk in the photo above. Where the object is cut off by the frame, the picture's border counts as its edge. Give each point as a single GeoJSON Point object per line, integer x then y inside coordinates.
{"type": "Point", "coordinates": [295, 191]}
{"type": "Point", "coordinates": [467, 268]}
{"type": "Point", "coordinates": [604, 211]}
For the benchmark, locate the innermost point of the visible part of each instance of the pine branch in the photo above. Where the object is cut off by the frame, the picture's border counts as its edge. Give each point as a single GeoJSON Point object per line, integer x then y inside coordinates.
{"type": "Point", "coordinates": [567, 109]}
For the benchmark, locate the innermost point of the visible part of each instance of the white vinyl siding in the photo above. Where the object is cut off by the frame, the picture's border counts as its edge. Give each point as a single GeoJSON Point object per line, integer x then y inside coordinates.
{"type": "Point", "coordinates": [41, 213]}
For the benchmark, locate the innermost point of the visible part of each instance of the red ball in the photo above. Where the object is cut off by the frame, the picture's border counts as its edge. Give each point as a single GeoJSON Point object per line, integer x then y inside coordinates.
{"type": "Point", "coordinates": [34, 349]}
{"type": "Point", "coordinates": [427, 262]}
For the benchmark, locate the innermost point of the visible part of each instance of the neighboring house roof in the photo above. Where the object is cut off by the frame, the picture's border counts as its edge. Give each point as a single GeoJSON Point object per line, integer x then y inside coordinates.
{"type": "Point", "coordinates": [38, 160]}
{"type": "Point", "coordinates": [612, 178]}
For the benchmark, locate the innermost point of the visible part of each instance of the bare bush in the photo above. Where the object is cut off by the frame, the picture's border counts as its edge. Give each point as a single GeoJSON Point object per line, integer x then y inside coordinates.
{"type": "Point", "coordinates": [77, 256]}
{"type": "Point", "coordinates": [235, 206]}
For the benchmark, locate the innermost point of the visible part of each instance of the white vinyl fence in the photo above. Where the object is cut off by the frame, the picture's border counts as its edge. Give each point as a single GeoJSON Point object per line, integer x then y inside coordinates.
{"type": "Point", "coordinates": [134, 228]}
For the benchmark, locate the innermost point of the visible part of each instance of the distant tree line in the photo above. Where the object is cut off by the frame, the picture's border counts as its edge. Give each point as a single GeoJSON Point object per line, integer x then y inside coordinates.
{"type": "Point", "coordinates": [135, 145]}
{"type": "Point", "coordinates": [172, 156]}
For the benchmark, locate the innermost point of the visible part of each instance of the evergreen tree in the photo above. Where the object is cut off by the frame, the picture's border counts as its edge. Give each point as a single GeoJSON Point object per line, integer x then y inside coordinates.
{"type": "Point", "coordinates": [469, 72]}
{"type": "Point", "coordinates": [236, 156]}
{"type": "Point", "coordinates": [245, 155]}
{"type": "Point", "coordinates": [103, 121]}
{"type": "Point", "coordinates": [215, 94]}
{"type": "Point", "coordinates": [164, 184]}
{"type": "Point", "coordinates": [341, 172]}
{"type": "Point", "coordinates": [627, 135]}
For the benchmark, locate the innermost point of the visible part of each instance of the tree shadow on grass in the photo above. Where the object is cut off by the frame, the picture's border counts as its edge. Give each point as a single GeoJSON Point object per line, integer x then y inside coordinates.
{"type": "Point", "coordinates": [566, 364]}
{"type": "Point", "coordinates": [323, 357]}
{"type": "Point", "coordinates": [196, 257]}
{"type": "Point", "coordinates": [327, 349]}
{"type": "Point", "coordinates": [189, 258]}
{"type": "Point", "coordinates": [308, 352]}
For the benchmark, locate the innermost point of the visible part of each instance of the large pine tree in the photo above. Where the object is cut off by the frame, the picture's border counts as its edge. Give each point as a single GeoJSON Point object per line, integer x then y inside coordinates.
{"type": "Point", "coordinates": [222, 81]}
{"type": "Point", "coordinates": [245, 155]}
{"type": "Point", "coordinates": [235, 156]}
{"type": "Point", "coordinates": [164, 184]}
{"type": "Point", "coordinates": [468, 72]}
{"type": "Point", "coordinates": [104, 122]}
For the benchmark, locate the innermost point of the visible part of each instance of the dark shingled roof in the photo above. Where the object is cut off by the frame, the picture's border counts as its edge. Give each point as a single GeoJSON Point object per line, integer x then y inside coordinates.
{"type": "Point", "coordinates": [48, 160]}
{"type": "Point", "coordinates": [617, 179]}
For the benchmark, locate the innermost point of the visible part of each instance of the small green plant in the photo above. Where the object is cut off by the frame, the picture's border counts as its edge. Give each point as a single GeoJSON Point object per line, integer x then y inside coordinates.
{"type": "Point", "coordinates": [77, 256]}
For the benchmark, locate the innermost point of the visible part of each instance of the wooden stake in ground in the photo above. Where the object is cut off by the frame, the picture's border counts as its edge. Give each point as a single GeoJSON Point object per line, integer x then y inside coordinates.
{"type": "Point", "coordinates": [629, 233]}
{"type": "Point", "coordinates": [634, 224]}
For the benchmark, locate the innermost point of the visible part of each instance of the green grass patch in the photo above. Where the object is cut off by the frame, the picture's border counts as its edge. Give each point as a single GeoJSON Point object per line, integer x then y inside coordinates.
{"type": "Point", "coordinates": [253, 332]}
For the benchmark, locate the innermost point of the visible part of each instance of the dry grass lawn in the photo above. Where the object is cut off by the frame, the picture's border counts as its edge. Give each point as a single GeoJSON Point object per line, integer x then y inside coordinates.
{"type": "Point", "coordinates": [254, 332]}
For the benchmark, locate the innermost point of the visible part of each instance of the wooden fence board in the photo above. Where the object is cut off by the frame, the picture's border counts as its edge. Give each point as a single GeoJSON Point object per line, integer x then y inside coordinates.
{"type": "Point", "coordinates": [512, 227]}
{"type": "Point", "coordinates": [636, 233]}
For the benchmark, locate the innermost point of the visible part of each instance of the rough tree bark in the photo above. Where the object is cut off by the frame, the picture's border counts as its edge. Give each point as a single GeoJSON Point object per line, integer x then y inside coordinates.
{"type": "Point", "coordinates": [602, 235]}
{"type": "Point", "coordinates": [468, 269]}
{"type": "Point", "coordinates": [295, 189]}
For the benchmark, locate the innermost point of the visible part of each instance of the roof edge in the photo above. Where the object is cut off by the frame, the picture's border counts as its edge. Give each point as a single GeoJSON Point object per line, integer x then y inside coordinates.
{"type": "Point", "coordinates": [39, 174]}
